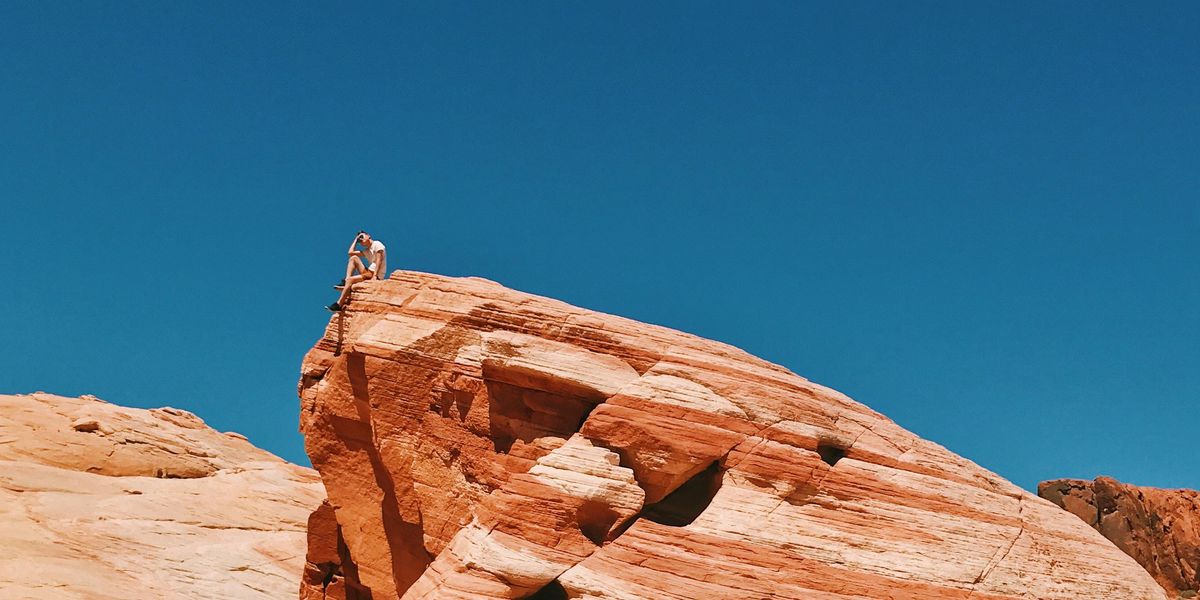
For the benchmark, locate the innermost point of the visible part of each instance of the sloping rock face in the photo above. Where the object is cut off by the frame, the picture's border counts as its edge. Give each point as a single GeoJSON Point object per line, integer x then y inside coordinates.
{"type": "Point", "coordinates": [1159, 528]}
{"type": "Point", "coordinates": [478, 442]}
{"type": "Point", "coordinates": [99, 501]}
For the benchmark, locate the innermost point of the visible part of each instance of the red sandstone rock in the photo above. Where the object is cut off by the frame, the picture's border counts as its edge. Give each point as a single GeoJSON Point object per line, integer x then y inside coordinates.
{"type": "Point", "coordinates": [329, 574]}
{"type": "Point", "coordinates": [1159, 528]}
{"type": "Point", "coordinates": [99, 502]}
{"type": "Point", "coordinates": [478, 442]}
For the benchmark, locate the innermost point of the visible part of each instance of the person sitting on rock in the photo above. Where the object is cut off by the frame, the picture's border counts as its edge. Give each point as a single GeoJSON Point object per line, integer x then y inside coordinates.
{"type": "Point", "coordinates": [376, 268]}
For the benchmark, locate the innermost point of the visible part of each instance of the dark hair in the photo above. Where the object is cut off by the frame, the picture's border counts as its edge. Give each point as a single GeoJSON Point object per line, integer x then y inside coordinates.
{"type": "Point", "coordinates": [360, 234]}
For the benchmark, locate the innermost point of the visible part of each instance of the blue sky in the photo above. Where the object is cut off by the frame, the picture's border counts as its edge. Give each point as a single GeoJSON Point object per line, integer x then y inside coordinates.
{"type": "Point", "coordinates": [978, 218]}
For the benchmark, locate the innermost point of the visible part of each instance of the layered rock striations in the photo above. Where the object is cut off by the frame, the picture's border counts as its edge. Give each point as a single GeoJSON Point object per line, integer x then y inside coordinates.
{"type": "Point", "coordinates": [99, 501]}
{"type": "Point", "coordinates": [1159, 528]}
{"type": "Point", "coordinates": [478, 442]}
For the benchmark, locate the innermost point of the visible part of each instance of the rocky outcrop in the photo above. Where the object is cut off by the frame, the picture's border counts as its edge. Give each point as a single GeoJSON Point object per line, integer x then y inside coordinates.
{"type": "Point", "coordinates": [478, 442]}
{"type": "Point", "coordinates": [1159, 528]}
{"type": "Point", "coordinates": [329, 573]}
{"type": "Point", "coordinates": [99, 501]}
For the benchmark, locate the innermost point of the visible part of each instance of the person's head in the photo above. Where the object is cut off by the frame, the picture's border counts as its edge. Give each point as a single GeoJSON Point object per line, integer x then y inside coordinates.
{"type": "Point", "coordinates": [364, 238]}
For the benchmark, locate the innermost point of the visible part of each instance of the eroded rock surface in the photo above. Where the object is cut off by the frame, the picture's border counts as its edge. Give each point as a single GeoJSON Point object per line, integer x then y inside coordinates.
{"type": "Point", "coordinates": [478, 442]}
{"type": "Point", "coordinates": [1159, 528]}
{"type": "Point", "coordinates": [98, 501]}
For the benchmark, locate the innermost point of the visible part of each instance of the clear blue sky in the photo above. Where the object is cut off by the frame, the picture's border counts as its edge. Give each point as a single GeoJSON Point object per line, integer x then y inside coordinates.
{"type": "Point", "coordinates": [978, 218]}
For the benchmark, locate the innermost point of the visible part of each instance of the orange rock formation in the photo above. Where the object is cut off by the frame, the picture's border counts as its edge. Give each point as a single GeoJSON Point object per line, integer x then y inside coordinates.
{"type": "Point", "coordinates": [478, 442]}
{"type": "Point", "coordinates": [102, 502]}
{"type": "Point", "coordinates": [1159, 528]}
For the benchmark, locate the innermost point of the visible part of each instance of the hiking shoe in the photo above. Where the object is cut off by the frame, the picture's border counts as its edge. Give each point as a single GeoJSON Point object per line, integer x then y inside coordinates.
{"type": "Point", "coordinates": [335, 307]}
{"type": "Point", "coordinates": [339, 285]}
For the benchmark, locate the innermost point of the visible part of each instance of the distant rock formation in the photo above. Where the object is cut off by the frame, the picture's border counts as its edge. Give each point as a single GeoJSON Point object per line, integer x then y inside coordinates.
{"type": "Point", "coordinates": [1159, 528]}
{"type": "Point", "coordinates": [99, 501]}
{"type": "Point", "coordinates": [478, 442]}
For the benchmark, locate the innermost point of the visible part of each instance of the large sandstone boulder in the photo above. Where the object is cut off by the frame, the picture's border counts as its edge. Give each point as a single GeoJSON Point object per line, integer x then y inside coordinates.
{"type": "Point", "coordinates": [1159, 528]}
{"type": "Point", "coordinates": [99, 501]}
{"type": "Point", "coordinates": [478, 442]}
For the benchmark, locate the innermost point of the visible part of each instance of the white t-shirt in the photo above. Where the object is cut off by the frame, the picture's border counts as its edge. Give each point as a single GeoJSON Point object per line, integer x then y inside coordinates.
{"type": "Point", "coordinates": [377, 258]}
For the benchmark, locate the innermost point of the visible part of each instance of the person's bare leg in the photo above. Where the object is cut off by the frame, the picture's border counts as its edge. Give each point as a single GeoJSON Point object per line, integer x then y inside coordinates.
{"type": "Point", "coordinates": [350, 281]}
{"type": "Point", "coordinates": [352, 264]}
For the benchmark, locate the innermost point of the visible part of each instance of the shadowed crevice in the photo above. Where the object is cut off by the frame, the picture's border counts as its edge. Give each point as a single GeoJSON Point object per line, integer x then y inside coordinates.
{"type": "Point", "coordinates": [830, 452]}
{"type": "Point", "coordinates": [688, 501]}
{"type": "Point", "coordinates": [551, 591]}
{"type": "Point", "coordinates": [596, 520]}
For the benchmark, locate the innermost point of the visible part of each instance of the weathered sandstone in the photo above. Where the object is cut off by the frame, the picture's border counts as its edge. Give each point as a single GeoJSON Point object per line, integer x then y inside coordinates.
{"type": "Point", "coordinates": [478, 442]}
{"type": "Point", "coordinates": [99, 501]}
{"type": "Point", "coordinates": [1159, 528]}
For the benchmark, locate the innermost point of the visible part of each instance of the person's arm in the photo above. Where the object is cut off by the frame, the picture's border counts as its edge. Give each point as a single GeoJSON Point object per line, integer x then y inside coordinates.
{"type": "Point", "coordinates": [352, 251]}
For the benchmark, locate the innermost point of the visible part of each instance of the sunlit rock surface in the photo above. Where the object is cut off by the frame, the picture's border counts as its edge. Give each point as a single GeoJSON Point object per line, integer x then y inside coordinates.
{"type": "Point", "coordinates": [478, 442]}
{"type": "Point", "coordinates": [99, 501]}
